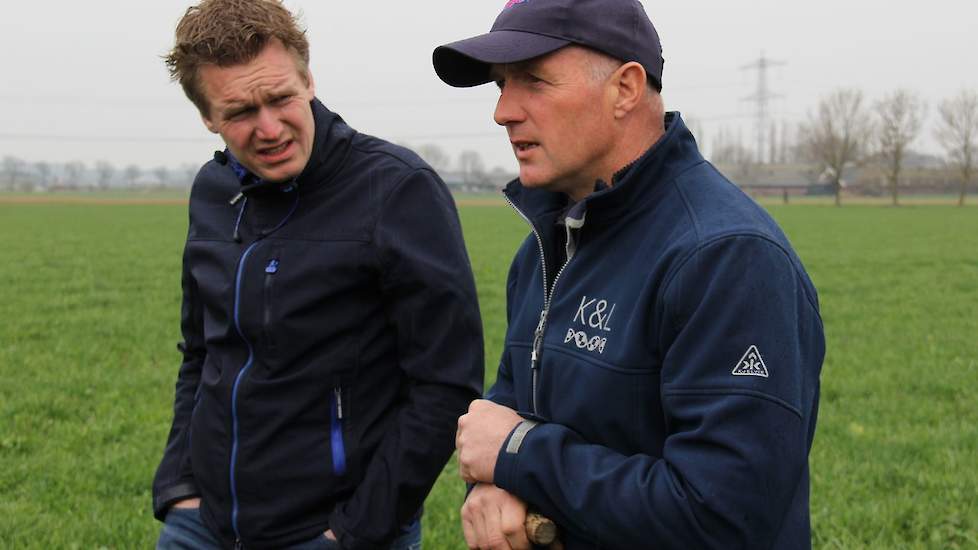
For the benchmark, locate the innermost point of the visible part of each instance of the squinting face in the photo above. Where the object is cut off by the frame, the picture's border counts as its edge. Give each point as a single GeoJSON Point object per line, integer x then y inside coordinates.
{"type": "Point", "coordinates": [261, 109]}
{"type": "Point", "coordinates": [559, 121]}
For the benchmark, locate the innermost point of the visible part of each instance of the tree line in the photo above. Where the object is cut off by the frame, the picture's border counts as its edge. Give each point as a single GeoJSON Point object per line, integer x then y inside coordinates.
{"type": "Point", "coordinates": [846, 132]}
{"type": "Point", "coordinates": [16, 174]}
{"type": "Point", "coordinates": [20, 175]}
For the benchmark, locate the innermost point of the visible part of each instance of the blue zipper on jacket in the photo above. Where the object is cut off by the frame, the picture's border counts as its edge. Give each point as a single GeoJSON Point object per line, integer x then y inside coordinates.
{"type": "Point", "coordinates": [251, 350]}
{"type": "Point", "coordinates": [237, 382]}
{"type": "Point", "coordinates": [336, 432]}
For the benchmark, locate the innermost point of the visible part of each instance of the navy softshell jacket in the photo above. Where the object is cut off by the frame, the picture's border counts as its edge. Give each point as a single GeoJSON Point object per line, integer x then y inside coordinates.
{"type": "Point", "coordinates": [332, 338]}
{"type": "Point", "coordinates": [678, 357]}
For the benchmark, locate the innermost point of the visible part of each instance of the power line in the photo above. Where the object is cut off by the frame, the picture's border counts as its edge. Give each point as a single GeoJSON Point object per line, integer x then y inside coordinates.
{"type": "Point", "coordinates": [100, 139]}
{"type": "Point", "coordinates": [150, 139]}
{"type": "Point", "coordinates": [123, 102]}
{"type": "Point", "coordinates": [387, 102]}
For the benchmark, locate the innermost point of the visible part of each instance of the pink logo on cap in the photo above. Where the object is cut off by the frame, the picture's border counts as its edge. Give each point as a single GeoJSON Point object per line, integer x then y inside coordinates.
{"type": "Point", "coordinates": [512, 3]}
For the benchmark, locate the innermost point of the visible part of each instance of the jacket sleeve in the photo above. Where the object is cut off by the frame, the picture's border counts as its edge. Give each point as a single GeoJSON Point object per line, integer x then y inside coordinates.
{"type": "Point", "coordinates": [502, 391]}
{"type": "Point", "coordinates": [428, 285]}
{"type": "Point", "coordinates": [174, 477]}
{"type": "Point", "coordinates": [735, 453]}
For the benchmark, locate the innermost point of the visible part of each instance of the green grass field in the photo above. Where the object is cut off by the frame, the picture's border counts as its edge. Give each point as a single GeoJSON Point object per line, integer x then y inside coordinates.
{"type": "Point", "coordinates": [87, 366]}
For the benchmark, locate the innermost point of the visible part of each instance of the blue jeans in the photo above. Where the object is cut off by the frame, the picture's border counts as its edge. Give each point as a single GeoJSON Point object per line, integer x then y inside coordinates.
{"type": "Point", "coordinates": [183, 530]}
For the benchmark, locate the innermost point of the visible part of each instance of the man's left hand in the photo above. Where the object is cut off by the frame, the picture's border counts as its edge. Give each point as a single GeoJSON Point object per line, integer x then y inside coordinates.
{"type": "Point", "coordinates": [481, 433]}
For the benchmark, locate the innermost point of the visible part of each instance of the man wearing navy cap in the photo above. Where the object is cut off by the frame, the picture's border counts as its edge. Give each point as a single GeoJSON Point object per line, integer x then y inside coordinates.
{"type": "Point", "coordinates": [659, 382]}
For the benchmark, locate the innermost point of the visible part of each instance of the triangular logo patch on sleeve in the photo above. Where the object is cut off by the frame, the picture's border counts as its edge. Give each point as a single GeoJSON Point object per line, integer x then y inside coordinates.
{"type": "Point", "coordinates": [751, 364]}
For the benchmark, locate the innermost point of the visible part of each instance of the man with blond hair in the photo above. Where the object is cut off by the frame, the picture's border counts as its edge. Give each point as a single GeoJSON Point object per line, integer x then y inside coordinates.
{"type": "Point", "coordinates": [659, 382]}
{"type": "Point", "coordinates": [331, 334]}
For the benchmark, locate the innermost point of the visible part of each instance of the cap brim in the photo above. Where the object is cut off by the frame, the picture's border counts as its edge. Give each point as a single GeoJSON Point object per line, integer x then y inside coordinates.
{"type": "Point", "coordinates": [466, 62]}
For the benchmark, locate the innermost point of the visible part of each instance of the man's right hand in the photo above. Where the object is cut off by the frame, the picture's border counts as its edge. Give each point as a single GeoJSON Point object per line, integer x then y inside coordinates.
{"type": "Point", "coordinates": [493, 519]}
{"type": "Point", "coordinates": [187, 503]}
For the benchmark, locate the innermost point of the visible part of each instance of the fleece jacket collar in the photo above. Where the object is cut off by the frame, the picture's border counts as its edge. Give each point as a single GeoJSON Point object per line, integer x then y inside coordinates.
{"type": "Point", "coordinates": [331, 146]}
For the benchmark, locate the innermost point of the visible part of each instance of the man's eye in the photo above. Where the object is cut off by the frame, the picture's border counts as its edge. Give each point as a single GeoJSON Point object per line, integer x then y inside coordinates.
{"type": "Point", "coordinates": [239, 114]}
{"type": "Point", "coordinates": [283, 98]}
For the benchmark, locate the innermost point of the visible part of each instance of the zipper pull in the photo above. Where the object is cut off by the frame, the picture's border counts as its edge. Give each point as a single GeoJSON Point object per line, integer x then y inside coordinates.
{"type": "Point", "coordinates": [338, 392]}
{"type": "Point", "coordinates": [272, 267]}
{"type": "Point", "coordinates": [238, 545]}
{"type": "Point", "coordinates": [538, 340]}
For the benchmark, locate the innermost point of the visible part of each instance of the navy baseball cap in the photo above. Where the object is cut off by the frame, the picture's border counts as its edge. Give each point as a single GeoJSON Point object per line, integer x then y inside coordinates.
{"type": "Point", "coordinates": [530, 28]}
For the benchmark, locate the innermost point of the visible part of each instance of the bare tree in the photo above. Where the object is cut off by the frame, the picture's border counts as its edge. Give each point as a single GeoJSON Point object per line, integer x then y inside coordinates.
{"type": "Point", "coordinates": [472, 168]}
{"type": "Point", "coordinates": [435, 156]}
{"type": "Point", "coordinates": [104, 171]}
{"type": "Point", "coordinates": [43, 170]}
{"type": "Point", "coordinates": [132, 174]}
{"type": "Point", "coordinates": [162, 174]}
{"type": "Point", "coordinates": [725, 152]}
{"type": "Point", "coordinates": [837, 135]}
{"type": "Point", "coordinates": [13, 167]}
{"type": "Point", "coordinates": [784, 148]}
{"type": "Point", "coordinates": [898, 120]}
{"type": "Point", "coordinates": [74, 171]}
{"type": "Point", "coordinates": [728, 149]}
{"type": "Point", "coordinates": [188, 172]}
{"type": "Point", "coordinates": [958, 133]}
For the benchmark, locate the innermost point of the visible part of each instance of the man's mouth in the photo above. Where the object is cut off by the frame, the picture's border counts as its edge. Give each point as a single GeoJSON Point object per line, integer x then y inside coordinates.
{"type": "Point", "coordinates": [522, 146]}
{"type": "Point", "coordinates": [271, 152]}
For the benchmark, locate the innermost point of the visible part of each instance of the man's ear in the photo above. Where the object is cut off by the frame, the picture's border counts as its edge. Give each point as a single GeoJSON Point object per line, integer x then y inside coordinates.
{"type": "Point", "coordinates": [630, 80]}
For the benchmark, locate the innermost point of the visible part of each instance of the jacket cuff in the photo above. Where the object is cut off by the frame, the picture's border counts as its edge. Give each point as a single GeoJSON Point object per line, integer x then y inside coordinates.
{"type": "Point", "coordinates": [508, 457]}
{"type": "Point", "coordinates": [168, 496]}
{"type": "Point", "coordinates": [346, 539]}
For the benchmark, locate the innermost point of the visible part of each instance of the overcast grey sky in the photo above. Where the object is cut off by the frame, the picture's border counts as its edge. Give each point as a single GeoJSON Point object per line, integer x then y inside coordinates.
{"type": "Point", "coordinates": [84, 80]}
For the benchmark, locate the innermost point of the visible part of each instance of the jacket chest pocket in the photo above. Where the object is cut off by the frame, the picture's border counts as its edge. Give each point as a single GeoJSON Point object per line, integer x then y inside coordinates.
{"type": "Point", "coordinates": [268, 301]}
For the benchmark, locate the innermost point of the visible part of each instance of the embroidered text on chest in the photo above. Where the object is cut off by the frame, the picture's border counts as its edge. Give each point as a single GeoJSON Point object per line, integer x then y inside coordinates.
{"type": "Point", "coordinates": [591, 320]}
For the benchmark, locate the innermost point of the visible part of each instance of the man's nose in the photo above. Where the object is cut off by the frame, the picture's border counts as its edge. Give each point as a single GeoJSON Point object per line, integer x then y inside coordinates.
{"type": "Point", "coordinates": [508, 109]}
{"type": "Point", "coordinates": [268, 126]}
